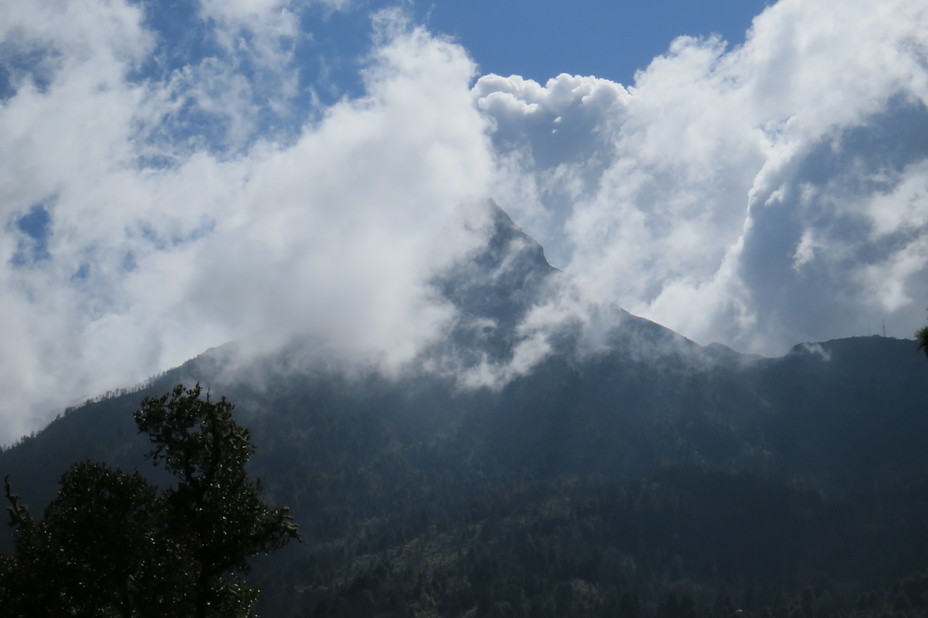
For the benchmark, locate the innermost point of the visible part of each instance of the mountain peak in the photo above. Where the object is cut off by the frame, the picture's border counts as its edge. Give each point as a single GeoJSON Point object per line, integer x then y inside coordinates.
{"type": "Point", "coordinates": [501, 280]}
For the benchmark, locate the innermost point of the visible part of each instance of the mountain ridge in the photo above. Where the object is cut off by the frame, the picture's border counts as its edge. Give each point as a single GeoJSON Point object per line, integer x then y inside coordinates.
{"type": "Point", "coordinates": [599, 477]}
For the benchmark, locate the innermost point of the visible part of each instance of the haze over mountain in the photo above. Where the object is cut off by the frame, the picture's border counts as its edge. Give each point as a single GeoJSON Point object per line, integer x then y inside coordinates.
{"type": "Point", "coordinates": [177, 175]}
{"type": "Point", "coordinates": [329, 197]}
{"type": "Point", "coordinates": [638, 473]}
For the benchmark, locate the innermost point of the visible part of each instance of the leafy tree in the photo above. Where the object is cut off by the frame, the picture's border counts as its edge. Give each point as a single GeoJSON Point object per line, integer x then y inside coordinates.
{"type": "Point", "coordinates": [215, 513]}
{"type": "Point", "coordinates": [922, 336]}
{"type": "Point", "coordinates": [92, 551]}
{"type": "Point", "coordinates": [112, 544]}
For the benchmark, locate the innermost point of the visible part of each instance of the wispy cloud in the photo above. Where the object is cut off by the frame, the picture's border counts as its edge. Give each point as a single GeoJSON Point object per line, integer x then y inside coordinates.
{"type": "Point", "coordinates": [165, 189]}
{"type": "Point", "coordinates": [147, 261]}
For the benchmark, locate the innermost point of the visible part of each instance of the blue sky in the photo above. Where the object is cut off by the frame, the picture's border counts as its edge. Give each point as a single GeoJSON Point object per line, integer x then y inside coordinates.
{"type": "Point", "coordinates": [539, 40]}
{"type": "Point", "coordinates": [176, 174]}
{"type": "Point", "coordinates": [612, 40]}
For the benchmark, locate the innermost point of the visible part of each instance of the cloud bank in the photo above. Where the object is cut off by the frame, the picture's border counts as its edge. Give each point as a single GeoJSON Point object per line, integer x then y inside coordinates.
{"type": "Point", "coordinates": [759, 196]}
{"type": "Point", "coordinates": [166, 188]}
{"type": "Point", "coordinates": [133, 241]}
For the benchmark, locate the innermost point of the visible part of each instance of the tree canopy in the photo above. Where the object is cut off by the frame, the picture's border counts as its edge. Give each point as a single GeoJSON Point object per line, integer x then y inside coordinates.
{"type": "Point", "coordinates": [113, 544]}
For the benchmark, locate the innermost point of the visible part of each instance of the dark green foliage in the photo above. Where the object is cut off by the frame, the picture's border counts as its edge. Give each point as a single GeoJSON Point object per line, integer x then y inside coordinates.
{"type": "Point", "coordinates": [598, 488]}
{"type": "Point", "coordinates": [583, 485]}
{"type": "Point", "coordinates": [922, 337]}
{"type": "Point", "coordinates": [112, 544]}
{"type": "Point", "coordinates": [651, 479]}
{"type": "Point", "coordinates": [92, 554]}
{"type": "Point", "coordinates": [214, 513]}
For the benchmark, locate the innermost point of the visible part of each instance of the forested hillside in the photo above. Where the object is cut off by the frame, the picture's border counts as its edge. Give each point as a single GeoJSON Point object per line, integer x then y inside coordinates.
{"type": "Point", "coordinates": [694, 482]}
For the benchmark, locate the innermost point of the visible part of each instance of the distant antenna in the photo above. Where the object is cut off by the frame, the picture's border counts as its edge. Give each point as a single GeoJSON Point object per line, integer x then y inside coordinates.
{"type": "Point", "coordinates": [884, 328]}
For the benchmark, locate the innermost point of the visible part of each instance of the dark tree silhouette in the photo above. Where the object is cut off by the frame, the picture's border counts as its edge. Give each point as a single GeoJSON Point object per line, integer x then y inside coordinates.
{"type": "Point", "coordinates": [94, 550]}
{"type": "Point", "coordinates": [214, 514]}
{"type": "Point", "coordinates": [112, 544]}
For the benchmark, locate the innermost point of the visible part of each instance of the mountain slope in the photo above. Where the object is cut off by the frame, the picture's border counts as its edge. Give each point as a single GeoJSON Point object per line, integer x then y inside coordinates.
{"type": "Point", "coordinates": [690, 481]}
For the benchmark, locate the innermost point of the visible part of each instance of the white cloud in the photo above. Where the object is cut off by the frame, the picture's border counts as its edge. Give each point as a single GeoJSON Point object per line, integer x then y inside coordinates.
{"type": "Point", "coordinates": [805, 251]}
{"type": "Point", "coordinates": [75, 30]}
{"type": "Point", "coordinates": [758, 195]}
{"type": "Point", "coordinates": [333, 233]}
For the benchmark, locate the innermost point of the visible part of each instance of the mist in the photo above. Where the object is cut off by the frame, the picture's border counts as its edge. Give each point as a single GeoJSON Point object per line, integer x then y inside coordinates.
{"type": "Point", "coordinates": [161, 199]}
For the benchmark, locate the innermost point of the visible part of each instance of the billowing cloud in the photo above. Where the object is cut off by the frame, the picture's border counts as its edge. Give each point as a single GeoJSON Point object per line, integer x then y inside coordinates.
{"type": "Point", "coordinates": [759, 195]}
{"type": "Point", "coordinates": [132, 241]}
{"type": "Point", "coordinates": [169, 183]}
